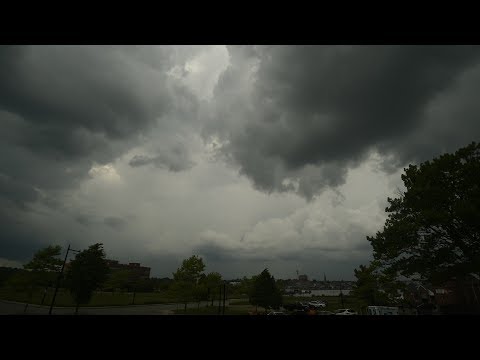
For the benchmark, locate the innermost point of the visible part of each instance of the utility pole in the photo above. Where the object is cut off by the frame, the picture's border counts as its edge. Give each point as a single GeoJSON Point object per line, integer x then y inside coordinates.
{"type": "Point", "coordinates": [59, 278]}
{"type": "Point", "coordinates": [134, 293]}
{"type": "Point", "coordinates": [341, 293]}
{"type": "Point", "coordinates": [220, 301]}
{"type": "Point", "coordinates": [224, 296]}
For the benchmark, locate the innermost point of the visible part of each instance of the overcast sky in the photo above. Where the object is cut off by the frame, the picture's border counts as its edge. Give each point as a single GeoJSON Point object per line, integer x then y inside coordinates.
{"type": "Point", "coordinates": [249, 156]}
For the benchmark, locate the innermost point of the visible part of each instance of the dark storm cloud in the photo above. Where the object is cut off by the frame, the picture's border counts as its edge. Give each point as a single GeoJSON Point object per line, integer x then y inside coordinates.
{"type": "Point", "coordinates": [313, 262]}
{"type": "Point", "coordinates": [65, 88]}
{"type": "Point", "coordinates": [63, 108]}
{"type": "Point", "coordinates": [18, 241]}
{"type": "Point", "coordinates": [328, 106]}
{"type": "Point", "coordinates": [15, 191]}
{"type": "Point", "coordinates": [213, 253]}
{"type": "Point", "coordinates": [115, 222]}
{"type": "Point", "coordinates": [174, 159]}
{"type": "Point", "coordinates": [83, 219]}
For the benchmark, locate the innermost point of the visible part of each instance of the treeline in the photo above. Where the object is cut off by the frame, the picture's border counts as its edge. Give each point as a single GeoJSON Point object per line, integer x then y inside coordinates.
{"type": "Point", "coordinates": [89, 273]}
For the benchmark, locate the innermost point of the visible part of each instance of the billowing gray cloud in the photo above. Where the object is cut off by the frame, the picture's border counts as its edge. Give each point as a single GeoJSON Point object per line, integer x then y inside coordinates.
{"type": "Point", "coordinates": [114, 222]}
{"type": "Point", "coordinates": [68, 110]}
{"type": "Point", "coordinates": [64, 108]}
{"type": "Point", "coordinates": [140, 148]}
{"type": "Point", "coordinates": [174, 159]}
{"type": "Point", "coordinates": [308, 113]}
{"type": "Point", "coordinates": [83, 219]}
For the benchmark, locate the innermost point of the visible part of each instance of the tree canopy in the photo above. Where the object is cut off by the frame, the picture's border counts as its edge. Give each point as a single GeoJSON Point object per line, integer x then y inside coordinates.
{"type": "Point", "coordinates": [40, 271]}
{"type": "Point", "coordinates": [265, 292]}
{"type": "Point", "coordinates": [46, 259]}
{"type": "Point", "coordinates": [119, 279]}
{"type": "Point", "coordinates": [374, 287]}
{"type": "Point", "coordinates": [86, 273]}
{"type": "Point", "coordinates": [433, 228]}
{"type": "Point", "coordinates": [187, 280]}
{"type": "Point", "coordinates": [191, 270]}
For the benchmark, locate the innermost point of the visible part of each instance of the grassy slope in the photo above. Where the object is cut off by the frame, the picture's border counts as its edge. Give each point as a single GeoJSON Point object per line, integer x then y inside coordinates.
{"type": "Point", "coordinates": [99, 299]}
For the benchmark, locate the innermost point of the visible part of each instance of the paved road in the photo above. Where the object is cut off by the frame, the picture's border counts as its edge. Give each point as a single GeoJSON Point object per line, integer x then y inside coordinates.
{"type": "Point", "coordinates": [15, 308]}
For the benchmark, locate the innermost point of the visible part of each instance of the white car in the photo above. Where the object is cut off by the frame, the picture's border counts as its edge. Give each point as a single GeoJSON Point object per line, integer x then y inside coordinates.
{"type": "Point", "coordinates": [345, 312]}
{"type": "Point", "coordinates": [276, 313]}
{"type": "Point", "coordinates": [317, 304]}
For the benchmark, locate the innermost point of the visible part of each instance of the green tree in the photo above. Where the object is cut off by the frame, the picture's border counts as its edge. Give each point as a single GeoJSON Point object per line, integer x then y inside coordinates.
{"type": "Point", "coordinates": [42, 269]}
{"type": "Point", "coordinates": [374, 287]}
{"type": "Point", "coordinates": [87, 272]}
{"type": "Point", "coordinates": [366, 285]}
{"type": "Point", "coordinates": [191, 270]}
{"type": "Point", "coordinates": [433, 230]}
{"type": "Point", "coordinates": [186, 279]}
{"type": "Point", "coordinates": [46, 260]}
{"type": "Point", "coordinates": [39, 272]}
{"type": "Point", "coordinates": [265, 292]}
{"type": "Point", "coordinates": [281, 284]}
{"type": "Point", "coordinates": [246, 286]}
{"type": "Point", "coordinates": [211, 283]}
{"type": "Point", "coordinates": [242, 288]}
{"type": "Point", "coordinates": [119, 279]}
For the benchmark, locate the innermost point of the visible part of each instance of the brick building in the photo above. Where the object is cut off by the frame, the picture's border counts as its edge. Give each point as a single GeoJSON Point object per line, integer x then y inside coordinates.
{"type": "Point", "coordinates": [143, 272]}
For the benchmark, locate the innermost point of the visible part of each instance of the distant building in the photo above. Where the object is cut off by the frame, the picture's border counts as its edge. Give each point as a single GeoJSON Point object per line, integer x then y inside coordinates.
{"type": "Point", "coordinates": [302, 277]}
{"type": "Point", "coordinates": [451, 297]}
{"type": "Point", "coordinates": [143, 272]}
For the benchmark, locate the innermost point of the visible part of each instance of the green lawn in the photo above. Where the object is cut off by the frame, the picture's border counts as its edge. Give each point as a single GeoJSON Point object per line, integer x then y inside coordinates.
{"type": "Point", "coordinates": [239, 302]}
{"type": "Point", "coordinates": [99, 299]}
{"type": "Point", "coordinates": [237, 306]}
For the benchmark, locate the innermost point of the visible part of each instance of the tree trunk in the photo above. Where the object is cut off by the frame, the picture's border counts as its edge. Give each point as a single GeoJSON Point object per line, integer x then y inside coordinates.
{"type": "Point", "coordinates": [76, 309]}
{"type": "Point", "coordinates": [185, 310]}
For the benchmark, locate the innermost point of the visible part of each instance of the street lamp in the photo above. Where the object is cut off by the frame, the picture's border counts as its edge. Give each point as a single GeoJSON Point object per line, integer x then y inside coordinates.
{"type": "Point", "coordinates": [221, 309]}
{"type": "Point", "coordinates": [59, 278]}
{"type": "Point", "coordinates": [224, 295]}
{"type": "Point", "coordinates": [341, 293]}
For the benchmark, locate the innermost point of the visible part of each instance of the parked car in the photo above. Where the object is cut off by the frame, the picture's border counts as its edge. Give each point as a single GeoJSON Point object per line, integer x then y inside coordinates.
{"type": "Point", "coordinates": [345, 312]}
{"type": "Point", "coordinates": [299, 312]}
{"type": "Point", "coordinates": [276, 313]}
{"type": "Point", "coordinates": [325, 313]}
{"type": "Point", "coordinates": [317, 304]}
{"type": "Point", "coordinates": [382, 310]}
{"type": "Point", "coordinates": [298, 306]}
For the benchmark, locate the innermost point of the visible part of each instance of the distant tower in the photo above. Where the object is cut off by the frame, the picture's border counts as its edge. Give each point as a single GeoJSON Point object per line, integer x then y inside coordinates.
{"type": "Point", "coordinates": [297, 273]}
{"type": "Point", "coordinates": [324, 277]}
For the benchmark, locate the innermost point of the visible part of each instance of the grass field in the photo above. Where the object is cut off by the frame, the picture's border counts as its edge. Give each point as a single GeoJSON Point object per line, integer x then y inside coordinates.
{"type": "Point", "coordinates": [237, 306]}
{"type": "Point", "coordinates": [99, 299]}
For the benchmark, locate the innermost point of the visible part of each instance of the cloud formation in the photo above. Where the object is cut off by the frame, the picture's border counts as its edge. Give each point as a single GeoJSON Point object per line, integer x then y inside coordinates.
{"type": "Point", "coordinates": [161, 152]}
{"type": "Point", "coordinates": [306, 114]}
